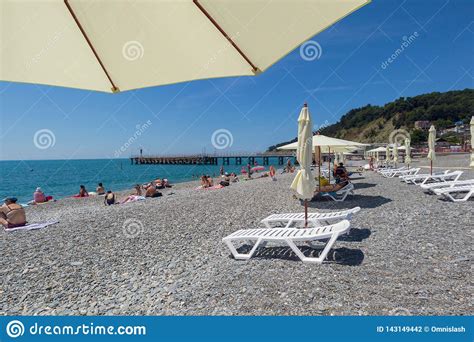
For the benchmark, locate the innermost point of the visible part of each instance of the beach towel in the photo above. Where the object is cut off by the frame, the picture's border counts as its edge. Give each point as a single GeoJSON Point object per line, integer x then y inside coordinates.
{"type": "Point", "coordinates": [133, 198]}
{"type": "Point", "coordinates": [210, 188]}
{"type": "Point", "coordinates": [32, 226]}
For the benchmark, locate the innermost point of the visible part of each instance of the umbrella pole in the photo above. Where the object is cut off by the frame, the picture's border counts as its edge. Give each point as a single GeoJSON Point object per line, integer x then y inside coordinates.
{"type": "Point", "coordinates": [319, 168]}
{"type": "Point", "coordinates": [431, 167]}
{"type": "Point", "coordinates": [306, 213]}
{"type": "Point", "coordinates": [329, 164]}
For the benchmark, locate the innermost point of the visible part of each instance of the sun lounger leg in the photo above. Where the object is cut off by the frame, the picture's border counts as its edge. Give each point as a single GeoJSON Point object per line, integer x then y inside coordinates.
{"type": "Point", "coordinates": [240, 256]}
{"type": "Point", "coordinates": [321, 257]}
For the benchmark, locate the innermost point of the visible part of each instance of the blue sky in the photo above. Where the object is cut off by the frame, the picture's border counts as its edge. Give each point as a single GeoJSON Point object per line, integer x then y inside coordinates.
{"type": "Point", "coordinates": [257, 111]}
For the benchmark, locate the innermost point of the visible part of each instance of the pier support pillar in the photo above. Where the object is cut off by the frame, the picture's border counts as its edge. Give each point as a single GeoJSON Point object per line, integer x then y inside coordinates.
{"type": "Point", "coordinates": [265, 160]}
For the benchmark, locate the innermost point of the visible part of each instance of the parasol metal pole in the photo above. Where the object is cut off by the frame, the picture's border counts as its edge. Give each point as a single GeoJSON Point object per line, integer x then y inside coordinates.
{"type": "Point", "coordinates": [306, 213]}
{"type": "Point", "coordinates": [319, 167]}
{"type": "Point", "coordinates": [431, 167]}
{"type": "Point", "coordinates": [255, 69]}
{"type": "Point", "coordinates": [329, 164]}
{"type": "Point", "coordinates": [114, 88]}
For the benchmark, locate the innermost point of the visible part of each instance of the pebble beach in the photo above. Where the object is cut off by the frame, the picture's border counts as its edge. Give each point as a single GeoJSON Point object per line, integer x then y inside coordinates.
{"type": "Point", "coordinates": [408, 253]}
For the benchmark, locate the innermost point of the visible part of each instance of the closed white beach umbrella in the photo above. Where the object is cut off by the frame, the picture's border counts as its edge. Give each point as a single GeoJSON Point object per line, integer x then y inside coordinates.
{"type": "Point", "coordinates": [377, 156]}
{"type": "Point", "coordinates": [304, 183]}
{"type": "Point", "coordinates": [472, 141]}
{"type": "Point", "coordinates": [407, 151]}
{"type": "Point", "coordinates": [115, 46]}
{"type": "Point", "coordinates": [395, 153]}
{"type": "Point", "coordinates": [431, 147]}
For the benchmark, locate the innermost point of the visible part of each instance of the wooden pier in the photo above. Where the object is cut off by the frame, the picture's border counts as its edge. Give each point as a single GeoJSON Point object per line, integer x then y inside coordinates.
{"type": "Point", "coordinates": [208, 159]}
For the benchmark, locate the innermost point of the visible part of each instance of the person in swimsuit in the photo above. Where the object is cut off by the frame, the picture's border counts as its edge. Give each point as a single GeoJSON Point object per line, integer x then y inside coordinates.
{"type": "Point", "coordinates": [38, 196]}
{"type": "Point", "coordinates": [12, 214]}
{"type": "Point", "coordinates": [109, 198]}
{"type": "Point", "coordinates": [152, 192]}
{"type": "Point", "coordinates": [272, 172]}
{"type": "Point", "coordinates": [332, 187]}
{"type": "Point", "coordinates": [83, 192]}
{"type": "Point", "coordinates": [100, 189]}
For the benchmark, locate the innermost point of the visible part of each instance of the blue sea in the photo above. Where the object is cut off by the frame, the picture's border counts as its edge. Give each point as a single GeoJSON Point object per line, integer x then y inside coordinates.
{"type": "Point", "coordinates": [61, 178]}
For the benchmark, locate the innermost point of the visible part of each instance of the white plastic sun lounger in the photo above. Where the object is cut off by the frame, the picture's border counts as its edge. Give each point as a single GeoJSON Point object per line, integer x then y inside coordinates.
{"type": "Point", "coordinates": [414, 179]}
{"type": "Point", "coordinates": [262, 236]}
{"type": "Point", "coordinates": [451, 192]}
{"type": "Point", "coordinates": [341, 194]}
{"type": "Point", "coordinates": [390, 172]}
{"type": "Point", "coordinates": [449, 184]}
{"type": "Point", "coordinates": [314, 219]}
{"type": "Point", "coordinates": [404, 172]}
{"type": "Point", "coordinates": [409, 172]}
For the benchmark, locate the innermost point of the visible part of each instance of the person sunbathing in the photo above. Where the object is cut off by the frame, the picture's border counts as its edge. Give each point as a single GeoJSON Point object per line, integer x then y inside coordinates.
{"type": "Point", "coordinates": [152, 192]}
{"type": "Point", "coordinates": [159, 183]}
{"type": "Point", "coordinates": [39, 196]}
{"type": "Point", "coordinates": [204, 183]}
{"type": "Point", "coordinates": [210, 182]}
{"type": "Point", "coordinates": [137, 190]}
{"type": "Point", "coordinates": [100, 189]}
{"type": "Point", "coordinates": [331, 187]}
{"type": "Point", "coordinates": [12, 214]}
{"type": "Point", "coordinates": [109, 198]}
{"type": "Point", "coordinates": [83, 192]}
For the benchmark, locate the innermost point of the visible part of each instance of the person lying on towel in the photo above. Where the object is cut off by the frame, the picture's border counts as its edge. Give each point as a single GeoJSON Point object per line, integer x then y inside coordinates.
{"type": "Point", "coordinates": [12, 214]}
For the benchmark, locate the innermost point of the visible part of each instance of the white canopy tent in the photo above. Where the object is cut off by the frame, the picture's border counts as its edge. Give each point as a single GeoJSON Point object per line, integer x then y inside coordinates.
{"type": "Point", "coordinates": [325, 144]}
{"type": "Point", "coordinates": [115, 46]}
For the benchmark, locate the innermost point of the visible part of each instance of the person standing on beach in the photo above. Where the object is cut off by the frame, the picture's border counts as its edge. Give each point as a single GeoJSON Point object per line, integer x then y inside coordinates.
{"type": "Point", "coordinates": [222, 170]}
{"type": "Point", "coordinates": [12, 214]}
{"type": "Point", "coordinates": [272, 172]}
{"type": "Point", "coordinates": [289, 166]}
{"type": "Point", "coordinates": [249, 171]}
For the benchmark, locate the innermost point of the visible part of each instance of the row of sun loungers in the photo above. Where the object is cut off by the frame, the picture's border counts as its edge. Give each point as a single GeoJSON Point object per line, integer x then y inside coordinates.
{"type": "Point", "coordinates": [446, 184]}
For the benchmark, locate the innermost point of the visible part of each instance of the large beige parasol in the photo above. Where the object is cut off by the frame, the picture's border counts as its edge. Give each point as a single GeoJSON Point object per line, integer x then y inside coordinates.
{"type": "Point", "coordinates": [304, 183]}
{"type": "Point", "coordinates": [121, 45]}
{"type": "Point", "coordinates": [431, 147]}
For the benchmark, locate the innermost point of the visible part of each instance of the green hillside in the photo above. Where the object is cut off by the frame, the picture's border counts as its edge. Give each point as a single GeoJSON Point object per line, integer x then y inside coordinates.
{"type": "Point", "coordinates": [372, 124]}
